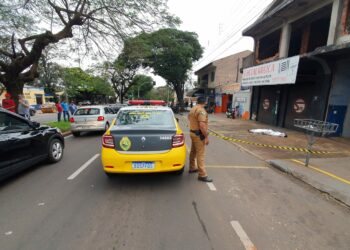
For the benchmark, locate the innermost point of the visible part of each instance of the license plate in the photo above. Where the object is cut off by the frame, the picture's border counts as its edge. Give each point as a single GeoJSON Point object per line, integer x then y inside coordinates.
{"type": "Point", "coordinates": [143, 165]}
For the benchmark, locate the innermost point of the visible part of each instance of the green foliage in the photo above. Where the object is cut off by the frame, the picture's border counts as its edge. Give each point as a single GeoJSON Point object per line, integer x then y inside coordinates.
{"type": "Point", "coordinates": [96, 28]}
{"type": "Point", "coordinates": [63, 126]}
{"type": "Point", "coordinates": [169, 52]}
{"type": "Point", "coordinates": [141, 85]}
{"type": "Point", "coordinates": [164, 93]}
{"type": "Point", "coordinates": [81, 85]}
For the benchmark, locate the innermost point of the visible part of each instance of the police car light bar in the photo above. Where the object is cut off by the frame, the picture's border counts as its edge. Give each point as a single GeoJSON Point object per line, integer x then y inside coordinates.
{"type": "Point", "coordinates": [147, 102]}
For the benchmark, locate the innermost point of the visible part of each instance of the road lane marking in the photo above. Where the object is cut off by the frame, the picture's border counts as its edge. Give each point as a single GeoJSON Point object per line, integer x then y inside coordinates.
{"type": "Point", "coordinates": [8, 233]}
{"type": "Point", "coordinates": [236, 167]}
{"type": "Point", "coordinates": [248, 245]}
{"type": "Point", "coordinates": [211, 186]}
{"type": "Point", "coordinates": [86, 164]}
{"type": "Point", "coordinates": [324, 172]}
{"type": "Point", "coordinates": [69, 136]}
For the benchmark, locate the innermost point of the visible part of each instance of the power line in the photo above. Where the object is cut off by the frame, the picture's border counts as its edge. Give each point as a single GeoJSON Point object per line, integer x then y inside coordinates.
{"type": "Point", "coordinates": [232, 34]}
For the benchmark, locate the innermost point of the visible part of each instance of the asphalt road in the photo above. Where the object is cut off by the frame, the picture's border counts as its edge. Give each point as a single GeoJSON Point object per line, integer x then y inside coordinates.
{"type": "Point", "coordinates": [249, 205]}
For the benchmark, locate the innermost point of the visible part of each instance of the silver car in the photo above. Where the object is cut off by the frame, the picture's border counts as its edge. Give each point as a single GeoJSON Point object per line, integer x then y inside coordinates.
{"type": "Point", "coordinates": [91, 118]}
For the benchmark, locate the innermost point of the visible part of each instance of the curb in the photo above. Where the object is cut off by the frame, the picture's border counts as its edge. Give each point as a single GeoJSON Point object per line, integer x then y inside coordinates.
{"type": "Point", "coordinates": [65, 134]}
{"type": "Point", "coordinates": [322, 187]}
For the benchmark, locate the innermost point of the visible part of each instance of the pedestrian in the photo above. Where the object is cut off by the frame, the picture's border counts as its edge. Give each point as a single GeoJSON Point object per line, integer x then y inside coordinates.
{"type": "Point", "coordinates": [72, 107]}
{"type": "Point", "coordinates": [198, 119]}
{"type": "Point", "coordinates": [8, 103]}
{"type": "Point", "coordinates": [23, 107]}
{"type": "Point", "coordinates": [65, 108]}
{"type": "Point", "coordinates": [59, 111]}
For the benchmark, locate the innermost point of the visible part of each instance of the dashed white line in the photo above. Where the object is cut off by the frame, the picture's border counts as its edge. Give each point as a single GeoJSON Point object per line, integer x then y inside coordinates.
{"type": "Point", "coordinates": [248, 245]}
{"type": "Point", "coordinates": [86, 164]}
{"type": "Point", "coordinates": [69, 136]}
{"type": "Point", "coordinates": [211, 186]}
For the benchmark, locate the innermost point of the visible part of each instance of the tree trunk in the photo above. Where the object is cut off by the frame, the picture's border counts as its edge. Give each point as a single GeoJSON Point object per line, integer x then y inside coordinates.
{"type": "Point", "coordinates": [180, 96]}
{"type": "Point", "coordinates": [15, 89]}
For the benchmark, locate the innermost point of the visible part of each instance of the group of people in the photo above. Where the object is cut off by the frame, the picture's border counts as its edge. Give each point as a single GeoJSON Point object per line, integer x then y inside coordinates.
{"type": "Point", "coordinates": [22, 109]}
{"type": "Point", "coordinates": [66, 109]}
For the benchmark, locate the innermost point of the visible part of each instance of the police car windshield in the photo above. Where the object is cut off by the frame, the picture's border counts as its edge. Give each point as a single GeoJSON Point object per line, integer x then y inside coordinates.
{"type": "Point", "coordinates": [145, 118]}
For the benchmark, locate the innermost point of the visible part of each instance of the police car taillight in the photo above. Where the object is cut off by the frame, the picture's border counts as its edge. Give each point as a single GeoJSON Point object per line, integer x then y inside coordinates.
{"type": "Point", "coordinates": [108, 141]}
{"type": "Point", "coordinates": [178, 140]}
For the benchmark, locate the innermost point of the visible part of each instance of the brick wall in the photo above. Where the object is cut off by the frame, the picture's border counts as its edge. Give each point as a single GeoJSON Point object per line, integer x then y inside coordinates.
{"type": "Point", "coordinates": [227, 69]}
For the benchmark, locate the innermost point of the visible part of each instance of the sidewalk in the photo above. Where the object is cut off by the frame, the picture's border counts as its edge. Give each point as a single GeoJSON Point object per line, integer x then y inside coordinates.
{"type": "Point", "coordinates": [329, 169]}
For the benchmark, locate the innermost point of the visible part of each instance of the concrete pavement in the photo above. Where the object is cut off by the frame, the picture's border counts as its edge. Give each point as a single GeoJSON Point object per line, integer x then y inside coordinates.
{"type": "Point", "coordinates": [329, 171]}
{"type": "Point", "coordinates": [42, 209]}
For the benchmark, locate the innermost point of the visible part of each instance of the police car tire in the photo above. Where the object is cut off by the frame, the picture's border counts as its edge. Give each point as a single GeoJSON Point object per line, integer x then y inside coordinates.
{"type": "Point", "coordinates": [110, 176]}
{"type": "Point", "coordinates": [179, 172]}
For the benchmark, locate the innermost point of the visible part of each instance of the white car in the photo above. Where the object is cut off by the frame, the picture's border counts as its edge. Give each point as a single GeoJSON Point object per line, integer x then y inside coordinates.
{"type": "Point", "coordinates": [91, 118]}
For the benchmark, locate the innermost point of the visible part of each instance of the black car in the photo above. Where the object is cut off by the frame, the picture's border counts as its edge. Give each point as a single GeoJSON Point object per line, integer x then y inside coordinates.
{"type": "Point", "coordinates": [24, 143]}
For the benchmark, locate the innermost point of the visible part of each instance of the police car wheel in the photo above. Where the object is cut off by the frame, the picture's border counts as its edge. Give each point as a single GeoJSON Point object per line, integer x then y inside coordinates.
{"type": "Point", "coordinates": [179, 172]}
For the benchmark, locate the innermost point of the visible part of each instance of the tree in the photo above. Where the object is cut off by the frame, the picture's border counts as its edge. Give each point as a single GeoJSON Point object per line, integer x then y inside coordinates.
{"type": "Point", "coordinates": [161, 93]}
{"type": "Point", "coordinates": [121, 74]}
{"type": "Point", "coordinates": [141, 85]}
{"type": "Point", "coordinates": [81, 85]}
{"type": "Point", "coordinates": [170, 53]}
{"type": "Point", "coordinates": [94, 24]}
{"type": "Point", "coordinates": [50, 73]}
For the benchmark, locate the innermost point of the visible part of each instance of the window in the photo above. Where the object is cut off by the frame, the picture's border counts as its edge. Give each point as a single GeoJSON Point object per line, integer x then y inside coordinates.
{"type": "Point", "coordinates": [12, 123]}
{"type": "Point", "coordinates": [146, 117]}
{"type": "Point", "coordinates": [87, 111]}
{"type": "Point", "coordinates": [212, 76]}
{"type": "Point", "coordinates": [269, 45]}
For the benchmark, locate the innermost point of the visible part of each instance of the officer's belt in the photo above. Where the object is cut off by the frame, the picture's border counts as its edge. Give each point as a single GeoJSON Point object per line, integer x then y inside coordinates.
{"type": "Point", "coordinates": [195, 131]}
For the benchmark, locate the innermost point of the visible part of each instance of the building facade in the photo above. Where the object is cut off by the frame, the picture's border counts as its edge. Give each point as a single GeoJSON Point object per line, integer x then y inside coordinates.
{"type": "Point", "coordinates": [221, 81]}
{"type": "Point", "coordinates": [300, 63]}
{"type": "Point", "coordinates": [34, 95]}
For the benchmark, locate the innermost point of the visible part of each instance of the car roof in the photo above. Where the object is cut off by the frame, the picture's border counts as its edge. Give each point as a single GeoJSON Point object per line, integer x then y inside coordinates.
{"type": "Point", "coordinates": [146, 108]}
{"type": "Point", "coordinates": [12, 113]}
{"type": "Point", "coordinates": [93, 107]}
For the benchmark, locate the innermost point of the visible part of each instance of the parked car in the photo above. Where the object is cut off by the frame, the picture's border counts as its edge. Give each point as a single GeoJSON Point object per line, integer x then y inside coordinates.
{"type": "Point", "coordinates": [144, 140]}
{"type": "Point", "coordinates": [116, 107]}
{"type": "Point", "coordinates": [24, 143]}
{"type": "Point", "coordinates": [91, 118]}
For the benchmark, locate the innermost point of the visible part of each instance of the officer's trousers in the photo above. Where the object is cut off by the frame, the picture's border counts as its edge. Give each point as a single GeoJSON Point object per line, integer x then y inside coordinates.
{"type": "Point", "coordinates": [197, 153]}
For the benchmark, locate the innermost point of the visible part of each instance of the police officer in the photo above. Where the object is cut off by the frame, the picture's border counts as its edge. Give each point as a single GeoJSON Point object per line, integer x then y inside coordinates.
{"type": "Point", "coordinates": [198, 119]}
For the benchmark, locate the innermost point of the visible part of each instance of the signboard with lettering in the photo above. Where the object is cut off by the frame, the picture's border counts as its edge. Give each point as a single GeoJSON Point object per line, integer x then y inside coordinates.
{"type": "Point", "coordinates": [279, 72]}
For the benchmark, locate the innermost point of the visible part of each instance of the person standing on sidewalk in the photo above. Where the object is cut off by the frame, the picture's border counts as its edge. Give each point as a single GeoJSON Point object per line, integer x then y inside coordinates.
{"type": "Point", "coordinates": [8, 103]}
{"type": "Point", "coordinates": [72, 107]}
{"type": "Point", "coordinates": [23, 107]}
{"type": "Point", "coordinates": [198, 119]}
{"type": "Point", "coordinates": [65, 108]}
{"type": "Point", "coordinates": [59, 111]}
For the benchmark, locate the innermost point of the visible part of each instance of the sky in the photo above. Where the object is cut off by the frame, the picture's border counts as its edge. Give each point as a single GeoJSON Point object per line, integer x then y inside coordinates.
{"type": "Point", "coordinates": [219, 25]}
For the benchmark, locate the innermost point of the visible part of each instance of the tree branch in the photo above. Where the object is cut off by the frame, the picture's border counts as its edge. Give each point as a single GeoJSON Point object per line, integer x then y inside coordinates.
{"type": "Point", "coordinates": [13, 45]}
{"type": "Point", "coordinates": [58, 12]}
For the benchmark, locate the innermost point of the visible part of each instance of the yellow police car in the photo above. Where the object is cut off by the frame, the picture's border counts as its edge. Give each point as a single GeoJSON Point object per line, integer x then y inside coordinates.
{"type": "Point", "coordinates": [143, 139]}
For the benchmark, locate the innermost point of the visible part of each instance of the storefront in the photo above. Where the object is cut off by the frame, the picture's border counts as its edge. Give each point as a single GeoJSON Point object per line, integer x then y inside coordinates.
{"type": "Point", "coordinates": [288, 89]}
